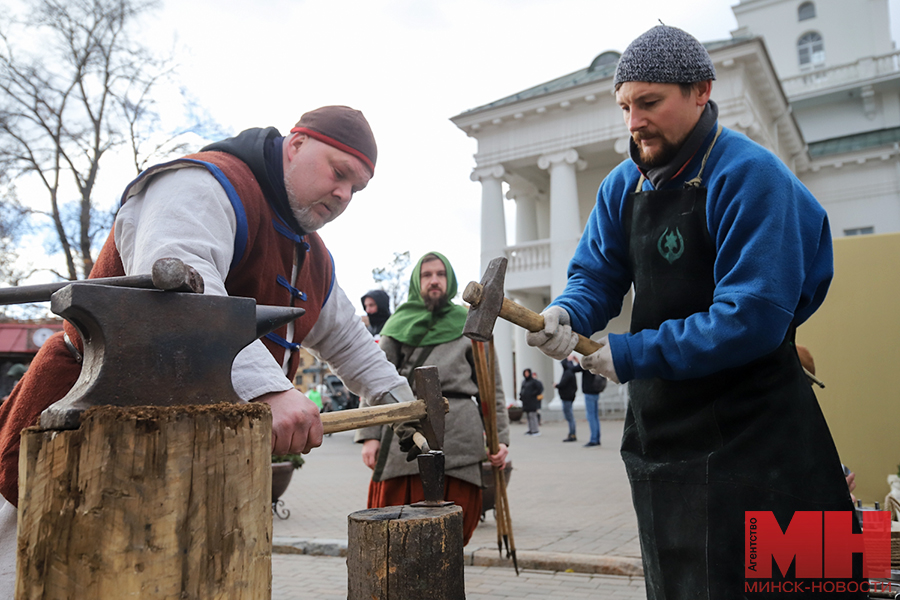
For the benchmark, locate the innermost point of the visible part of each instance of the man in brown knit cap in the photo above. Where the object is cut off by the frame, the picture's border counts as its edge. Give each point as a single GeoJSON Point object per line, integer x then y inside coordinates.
{"type": "Point", "coordinates": [243, 212]}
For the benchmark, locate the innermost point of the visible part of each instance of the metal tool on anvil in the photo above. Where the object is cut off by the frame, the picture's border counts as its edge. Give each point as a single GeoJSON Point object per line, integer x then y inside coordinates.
{"type": "Point", "coordinates": [168, 274]}
{"type": "Point", "coordinates": [486, 303]}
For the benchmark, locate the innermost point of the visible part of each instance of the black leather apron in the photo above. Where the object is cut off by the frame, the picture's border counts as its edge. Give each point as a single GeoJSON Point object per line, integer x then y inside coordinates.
{"type": "Point", "coordinates": [700, 452]}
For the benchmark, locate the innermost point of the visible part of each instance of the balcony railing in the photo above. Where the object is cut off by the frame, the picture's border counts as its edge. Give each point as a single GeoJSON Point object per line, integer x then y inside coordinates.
{"type": "Point", "coordinates": [862, 71]}
{"type": "Point", "coordinates": [530, 256]}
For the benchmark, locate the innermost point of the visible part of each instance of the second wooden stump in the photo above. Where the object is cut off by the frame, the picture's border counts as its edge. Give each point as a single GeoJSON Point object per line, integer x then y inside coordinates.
{"type": "Point", "coordinates": [406, 553]}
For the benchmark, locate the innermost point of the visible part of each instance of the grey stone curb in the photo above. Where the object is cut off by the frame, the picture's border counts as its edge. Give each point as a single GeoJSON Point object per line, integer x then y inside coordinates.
{"type": "Point", "coordinates": [488, 557]}
{"type": "Point", "coordinates": [595, 564]}
{"type": "Point", "coordinates": [314, 547]}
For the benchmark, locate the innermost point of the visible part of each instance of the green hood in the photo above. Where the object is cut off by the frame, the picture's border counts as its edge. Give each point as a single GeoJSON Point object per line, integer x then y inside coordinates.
{"type": "Point", "coordinates": [413, 324]}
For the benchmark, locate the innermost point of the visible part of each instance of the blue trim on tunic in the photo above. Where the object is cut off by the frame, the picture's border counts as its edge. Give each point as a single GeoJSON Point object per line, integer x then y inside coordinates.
{"type": "Point", "coordinates": [240, 216]}
{"type": "Point", "coordinates": [241, 235]}
{"type": "Point", "coordinates": [282, 281]}
{"type": "Point", "coordinates": [282, 342]}
{"type": "Point", "coordinates": [333, 279]}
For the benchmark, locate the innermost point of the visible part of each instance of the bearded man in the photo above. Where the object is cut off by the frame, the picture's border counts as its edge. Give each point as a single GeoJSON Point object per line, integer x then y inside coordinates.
{"type": "Point", "coordinates": [427, 330]}
{"type": "Point", "coordinates": [728, 254]}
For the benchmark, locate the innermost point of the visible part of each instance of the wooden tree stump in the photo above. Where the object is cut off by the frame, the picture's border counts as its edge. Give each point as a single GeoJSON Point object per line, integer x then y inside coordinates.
{"type": "Point", "coordinates": [406, 553]}
{"type": "Point", "coordinates": [148, 502]}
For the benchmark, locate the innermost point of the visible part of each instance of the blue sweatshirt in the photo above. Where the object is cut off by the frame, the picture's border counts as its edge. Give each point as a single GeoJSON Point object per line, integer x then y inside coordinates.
{"type": "Point", "coordinates": [772, 268]}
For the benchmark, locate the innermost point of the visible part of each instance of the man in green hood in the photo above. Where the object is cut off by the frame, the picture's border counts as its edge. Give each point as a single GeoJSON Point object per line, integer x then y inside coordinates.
{"type": "Point", "coordinates": [427, 330]}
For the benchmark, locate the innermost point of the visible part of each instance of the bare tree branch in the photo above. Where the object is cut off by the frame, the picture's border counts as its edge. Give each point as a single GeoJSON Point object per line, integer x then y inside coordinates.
{"type": "Point", "coordinates": [62, 110]}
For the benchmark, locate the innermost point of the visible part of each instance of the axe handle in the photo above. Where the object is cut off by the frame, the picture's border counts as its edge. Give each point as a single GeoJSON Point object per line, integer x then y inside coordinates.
{"type": "Point", "coordinates": [368, 416]}
{"type": "Point", "coordinates": [532, 321]}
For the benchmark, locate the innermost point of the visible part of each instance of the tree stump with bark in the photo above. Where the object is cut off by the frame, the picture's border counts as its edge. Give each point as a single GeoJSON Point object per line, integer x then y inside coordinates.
{"type": "Point", "coordinates": [148, 502]}
{"type": "Point", "coordinates": [406, 553]}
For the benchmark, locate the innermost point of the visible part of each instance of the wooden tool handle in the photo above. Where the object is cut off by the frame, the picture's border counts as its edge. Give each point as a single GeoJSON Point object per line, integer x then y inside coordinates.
{"type": "Point", "coordinates": [523, 317]}
{"type": "Point", "coordinates": [368, 416]}
{"type": "Point", "coordinates": [421, 442]}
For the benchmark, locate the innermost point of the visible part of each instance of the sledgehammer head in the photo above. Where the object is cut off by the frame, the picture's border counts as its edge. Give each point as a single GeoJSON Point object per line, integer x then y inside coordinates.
{"type": "Point", "coordinates": [485, 301]}
{"type": "Point", "coordinates": [428, 388]}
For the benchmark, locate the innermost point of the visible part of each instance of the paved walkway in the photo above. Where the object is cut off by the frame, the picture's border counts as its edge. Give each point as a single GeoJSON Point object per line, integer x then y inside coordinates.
{"type": "Point", "coordinates": [571, 507]}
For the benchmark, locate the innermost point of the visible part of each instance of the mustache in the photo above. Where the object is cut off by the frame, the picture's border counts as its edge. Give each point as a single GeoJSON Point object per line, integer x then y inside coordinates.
{"type": "Point", "coordinates": [640, 135]}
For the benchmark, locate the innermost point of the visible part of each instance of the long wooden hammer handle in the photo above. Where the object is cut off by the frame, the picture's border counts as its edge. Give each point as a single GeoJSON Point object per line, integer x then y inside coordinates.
{"type": "Point", "coordinates": [368, 416]}
{"type": "Point", "coordinates": [521, 316]}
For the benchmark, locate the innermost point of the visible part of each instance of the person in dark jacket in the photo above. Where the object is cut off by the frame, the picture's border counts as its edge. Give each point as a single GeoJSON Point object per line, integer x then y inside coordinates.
{"type": "Point", "coordinates": [566, 389]}
{"type": "Point", "coordinates": [727, 253]}
{"type": "Point", "coordinates": [531, 394]}
{"type": "Point", "coordinates": [592, 385]}
{"type": "Point", "coordinates": [377, 305]}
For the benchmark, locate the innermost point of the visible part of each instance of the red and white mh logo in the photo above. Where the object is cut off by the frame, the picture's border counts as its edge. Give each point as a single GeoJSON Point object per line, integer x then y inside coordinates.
{"type": "Point", "coordinates": [823, 544]}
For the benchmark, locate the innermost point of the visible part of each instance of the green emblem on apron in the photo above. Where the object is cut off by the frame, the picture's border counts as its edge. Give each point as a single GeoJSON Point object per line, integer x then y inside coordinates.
{"type": "Point", "coordinates": [671, 245]}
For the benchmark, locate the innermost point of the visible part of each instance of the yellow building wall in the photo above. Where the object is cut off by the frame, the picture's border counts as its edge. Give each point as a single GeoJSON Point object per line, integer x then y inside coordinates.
{"type": "Point", "coordinates": [855, 341]}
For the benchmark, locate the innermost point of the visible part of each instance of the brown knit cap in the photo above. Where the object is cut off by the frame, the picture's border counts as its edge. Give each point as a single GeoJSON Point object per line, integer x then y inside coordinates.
{"type": "Point", "coordinates": [342, 127]}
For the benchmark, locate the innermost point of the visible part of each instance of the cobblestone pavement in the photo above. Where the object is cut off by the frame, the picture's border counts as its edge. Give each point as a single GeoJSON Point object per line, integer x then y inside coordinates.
{"type": "Point", "coordinates": [564, 498]}
{"type": "Point", "coordinates": [302, 577]}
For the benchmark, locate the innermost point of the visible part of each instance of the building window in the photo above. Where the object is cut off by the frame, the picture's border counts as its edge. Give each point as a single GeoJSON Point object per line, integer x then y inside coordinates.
{"type": "Point", "coordinates": [806, 11]}
{"type": "Point", "coordinates": [860, 231]}
{"type": "Point", "coordinates": [811, 50]}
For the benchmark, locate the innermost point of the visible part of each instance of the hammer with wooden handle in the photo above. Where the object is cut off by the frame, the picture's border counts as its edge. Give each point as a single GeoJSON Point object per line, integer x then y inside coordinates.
{"type": "Point", "coordinates": [486, 303]}
{"type": "Point", "coordinates": [429, 410]}
{"type": "Point", "coordinates": [369, 416]}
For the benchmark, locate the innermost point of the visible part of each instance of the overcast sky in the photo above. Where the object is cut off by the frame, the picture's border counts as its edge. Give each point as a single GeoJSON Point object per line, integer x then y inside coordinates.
{"type": "Point", "coordinates": [409, 65]}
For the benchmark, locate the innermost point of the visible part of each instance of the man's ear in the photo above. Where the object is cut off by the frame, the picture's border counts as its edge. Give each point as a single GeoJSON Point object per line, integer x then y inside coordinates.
{"type": "Point", "coordinates": [294, 142]}
{"type": "Point", "coordinates": [704, 91]}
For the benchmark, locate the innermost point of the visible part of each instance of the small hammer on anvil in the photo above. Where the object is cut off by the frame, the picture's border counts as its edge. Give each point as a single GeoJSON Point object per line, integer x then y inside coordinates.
{"type": "Point", "coordinates": [486, 303]}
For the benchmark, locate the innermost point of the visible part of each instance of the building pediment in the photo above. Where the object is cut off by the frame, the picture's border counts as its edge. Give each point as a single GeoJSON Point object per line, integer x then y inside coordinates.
{"type": "Point", "coordinates": [579, 110]}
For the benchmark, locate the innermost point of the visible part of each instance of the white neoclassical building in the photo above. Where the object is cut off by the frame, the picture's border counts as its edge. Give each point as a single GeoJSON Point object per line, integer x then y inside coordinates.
{"type": "Point", "coordinates": [815, 81]}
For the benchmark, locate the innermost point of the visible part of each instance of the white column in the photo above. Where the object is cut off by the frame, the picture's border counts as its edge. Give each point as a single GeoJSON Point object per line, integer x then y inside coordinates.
{"type": "Point", "coordinates": [565, 221]}
{"type": "Point", "coordinates": [493, 221]}
{"type": "Point", "coordinates": [525, 194]}
{"type": "Point", "coordinates": [493, 245]}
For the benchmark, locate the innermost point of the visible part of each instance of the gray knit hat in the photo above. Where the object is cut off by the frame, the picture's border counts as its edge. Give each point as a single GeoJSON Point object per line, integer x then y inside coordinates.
{"type": "Point", "coordinates": [665, 55]}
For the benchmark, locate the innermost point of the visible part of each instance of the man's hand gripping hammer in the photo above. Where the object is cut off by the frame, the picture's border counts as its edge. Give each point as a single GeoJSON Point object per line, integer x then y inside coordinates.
{"type": "Point", "coordinates": [486, 303]}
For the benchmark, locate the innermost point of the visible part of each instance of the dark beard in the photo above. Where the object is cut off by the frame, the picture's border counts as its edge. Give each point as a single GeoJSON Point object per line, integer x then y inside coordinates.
{"type": "Point", "coordinates": [433, 304]}
{"type": "Point", "coordinates": [664, 157]}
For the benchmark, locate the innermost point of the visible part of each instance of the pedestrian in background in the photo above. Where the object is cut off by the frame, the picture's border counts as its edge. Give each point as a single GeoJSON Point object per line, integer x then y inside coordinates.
{"type": "Point", "coordinates": [592, 385]}
{"type": "Point", "coordinates": [566, 389]}
{"type": "Point", "coordinates": [377, 305]}
{"type": "Point", "coordinates": [531, 394]}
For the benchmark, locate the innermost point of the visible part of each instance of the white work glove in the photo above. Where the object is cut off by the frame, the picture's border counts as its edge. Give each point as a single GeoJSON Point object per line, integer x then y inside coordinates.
{"type": "Point", "coordinates": [601, 362]}
{"type": "Point", "coordinates": [556, 340]}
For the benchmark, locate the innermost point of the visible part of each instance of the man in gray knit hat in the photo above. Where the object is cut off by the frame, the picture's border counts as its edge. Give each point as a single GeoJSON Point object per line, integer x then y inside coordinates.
{"type": "Point", "coordinates": [728, 254]}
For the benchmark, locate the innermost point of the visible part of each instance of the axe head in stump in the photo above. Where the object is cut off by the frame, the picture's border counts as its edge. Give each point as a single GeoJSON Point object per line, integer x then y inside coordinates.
{"type": "Point", "coordinates": [431, 463]}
